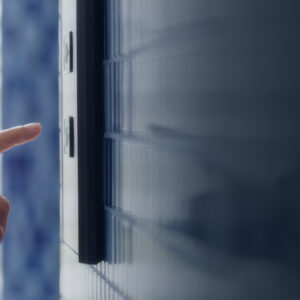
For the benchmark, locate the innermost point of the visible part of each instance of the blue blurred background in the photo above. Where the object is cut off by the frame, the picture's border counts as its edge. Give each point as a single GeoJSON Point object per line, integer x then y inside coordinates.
{"type": "Point", "coordinates": [31, 172]}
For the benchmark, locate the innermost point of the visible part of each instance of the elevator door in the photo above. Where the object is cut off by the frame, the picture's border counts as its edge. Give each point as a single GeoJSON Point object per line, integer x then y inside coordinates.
{"type": "Point", "coordinates": [201, 152]}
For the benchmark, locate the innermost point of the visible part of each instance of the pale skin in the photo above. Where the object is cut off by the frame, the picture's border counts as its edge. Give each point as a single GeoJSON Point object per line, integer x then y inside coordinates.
{"type": "Point", "coordinates": [10, 138]}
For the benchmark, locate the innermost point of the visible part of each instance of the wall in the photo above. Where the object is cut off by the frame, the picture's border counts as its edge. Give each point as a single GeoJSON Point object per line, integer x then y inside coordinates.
{"type": "Point", "coordinates": [31, 180]}
{"type": "Point", "coordinates": [201, 129]}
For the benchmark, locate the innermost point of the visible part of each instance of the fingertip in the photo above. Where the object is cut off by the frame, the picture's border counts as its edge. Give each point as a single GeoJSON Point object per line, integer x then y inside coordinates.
{"type": "Point", "coordinates": [32, 131]}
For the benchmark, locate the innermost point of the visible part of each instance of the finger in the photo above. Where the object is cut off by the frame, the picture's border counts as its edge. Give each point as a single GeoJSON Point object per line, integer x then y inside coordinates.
{"type": "Point", "coordinates": [18, 135]}
{"type": "Point", "coordinates": [4, 210]}
{"type": "Point", "coordinates": [2, 233]}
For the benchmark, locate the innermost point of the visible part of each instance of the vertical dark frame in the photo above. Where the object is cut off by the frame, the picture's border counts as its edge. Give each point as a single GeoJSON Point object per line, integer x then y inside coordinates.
{"type": "Point", "coordinates": [90, 106]}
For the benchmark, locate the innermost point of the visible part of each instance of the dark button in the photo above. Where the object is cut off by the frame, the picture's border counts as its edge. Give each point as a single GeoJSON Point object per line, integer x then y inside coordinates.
{"type": "Point", "coordinates": [67, 55]}
{"type": "Point", "coordinates": [69, 136]}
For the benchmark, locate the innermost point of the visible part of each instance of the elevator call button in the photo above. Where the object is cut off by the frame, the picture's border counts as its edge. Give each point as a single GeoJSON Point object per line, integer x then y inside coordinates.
{"type": "Point", "coordinates": [69, 136]}
{"type": "Point", "coordinates": [67, 56]}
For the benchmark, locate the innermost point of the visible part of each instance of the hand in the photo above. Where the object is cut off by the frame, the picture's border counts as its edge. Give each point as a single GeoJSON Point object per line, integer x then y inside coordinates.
{"type": "Point", "coordinates": [8, 139]}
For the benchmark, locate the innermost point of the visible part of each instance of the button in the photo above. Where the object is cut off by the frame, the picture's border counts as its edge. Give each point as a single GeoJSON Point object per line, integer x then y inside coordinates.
{"type": "Point", "coordinates": [67, 56]}
{"type": "Point", "coordinates": [69, 136]}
